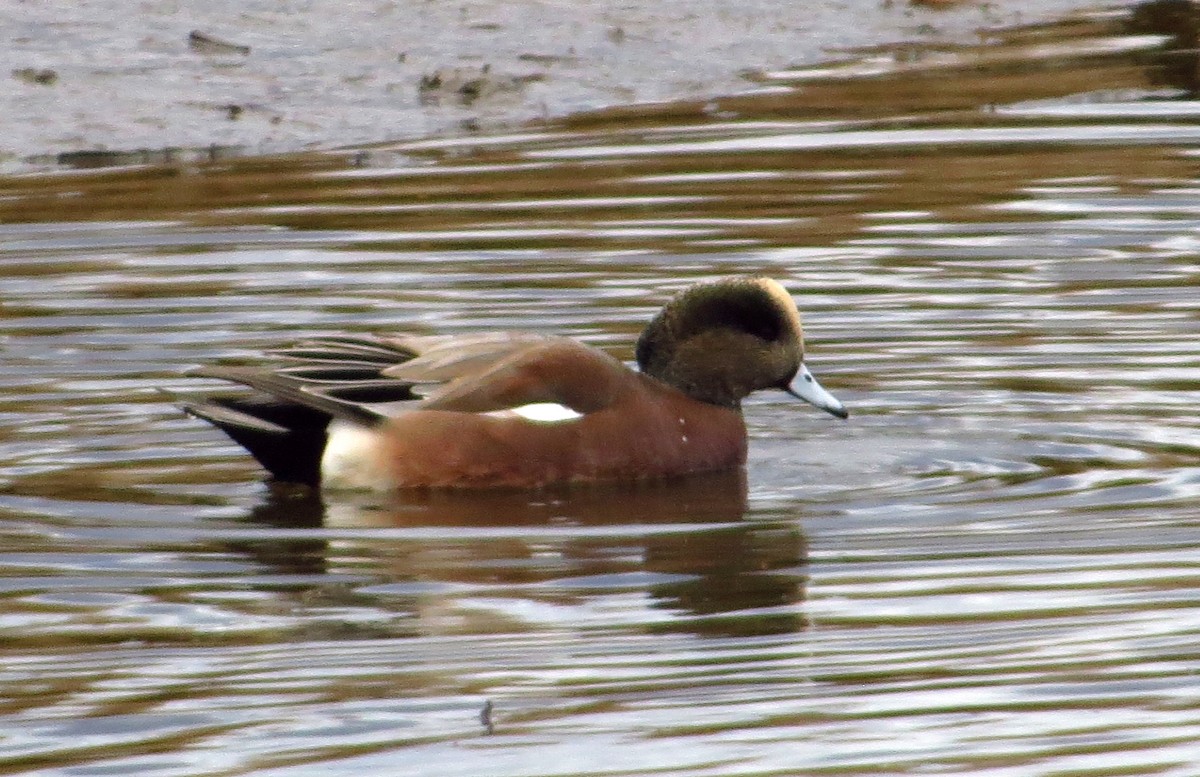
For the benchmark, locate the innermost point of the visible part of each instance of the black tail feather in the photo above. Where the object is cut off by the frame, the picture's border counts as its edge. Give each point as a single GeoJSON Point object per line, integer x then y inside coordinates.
{"type": "Point", "coordinates": [283, 421]}
{"type": "Point", "coordinates": [288, 440]}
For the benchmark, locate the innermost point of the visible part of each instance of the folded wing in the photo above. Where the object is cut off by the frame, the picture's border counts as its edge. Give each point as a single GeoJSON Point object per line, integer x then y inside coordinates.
{"type": "Point", "coordinates": [282, 421]}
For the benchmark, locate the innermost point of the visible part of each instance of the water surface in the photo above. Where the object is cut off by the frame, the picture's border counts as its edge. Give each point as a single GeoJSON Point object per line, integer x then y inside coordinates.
{"type": "Point", "coordinates": [990, 569]}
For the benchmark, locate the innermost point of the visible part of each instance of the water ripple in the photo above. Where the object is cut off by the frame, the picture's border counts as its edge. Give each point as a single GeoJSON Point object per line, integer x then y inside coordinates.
{"type": "Point", "coordinates": [991, 569]}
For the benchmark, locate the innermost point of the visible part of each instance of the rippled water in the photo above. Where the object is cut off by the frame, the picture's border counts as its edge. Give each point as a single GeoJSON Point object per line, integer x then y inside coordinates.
{"type": "Point", "coordinates": [991, 569]}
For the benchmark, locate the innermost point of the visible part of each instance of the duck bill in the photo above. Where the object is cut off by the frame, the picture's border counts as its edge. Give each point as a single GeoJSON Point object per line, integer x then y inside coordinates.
{"type": "Point", "coordinates": [805, 386]}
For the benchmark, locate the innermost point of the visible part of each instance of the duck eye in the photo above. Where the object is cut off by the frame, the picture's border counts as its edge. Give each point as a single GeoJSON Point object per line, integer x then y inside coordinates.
{"type": "Point", "coordinates": [762, 324]}
{"type": "Point", "coordinates": [765, 330]}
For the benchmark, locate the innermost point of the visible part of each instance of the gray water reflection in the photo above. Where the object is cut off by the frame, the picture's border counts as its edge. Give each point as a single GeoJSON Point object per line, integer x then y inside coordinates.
{"type": "Point", "coordinates": [991, 570]}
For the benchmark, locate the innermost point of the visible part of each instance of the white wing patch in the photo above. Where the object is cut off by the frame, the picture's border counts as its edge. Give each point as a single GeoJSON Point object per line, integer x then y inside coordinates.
{"type": "Point", "coordinates": [542, 412]}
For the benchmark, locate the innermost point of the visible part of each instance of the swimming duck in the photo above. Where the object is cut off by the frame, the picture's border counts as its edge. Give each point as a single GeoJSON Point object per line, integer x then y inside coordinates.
{"type": "Point", "coordinates": [521, 410]}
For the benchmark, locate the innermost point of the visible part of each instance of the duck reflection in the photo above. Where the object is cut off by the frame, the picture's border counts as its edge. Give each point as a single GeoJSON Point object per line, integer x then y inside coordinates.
{"type": "Point", "coordinates": [1176, 62]}
{"type": "Point", "coordinates": [674, 556]}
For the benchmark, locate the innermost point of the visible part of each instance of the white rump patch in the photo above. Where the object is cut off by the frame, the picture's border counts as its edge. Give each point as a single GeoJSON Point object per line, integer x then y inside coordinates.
{"type": "Point", "coordinates": [350, 459]}
{"type": "Point", "coordinates": [542, 412]}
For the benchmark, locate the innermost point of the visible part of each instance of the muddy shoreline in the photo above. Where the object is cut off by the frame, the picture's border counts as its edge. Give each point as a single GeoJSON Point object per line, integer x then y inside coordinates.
{"type": "Point", "coordinates": [93, 84]}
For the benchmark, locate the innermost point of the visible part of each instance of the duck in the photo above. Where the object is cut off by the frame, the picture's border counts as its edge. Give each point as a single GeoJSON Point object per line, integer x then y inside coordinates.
{"type": "Point", "coordinates": [520, 410]}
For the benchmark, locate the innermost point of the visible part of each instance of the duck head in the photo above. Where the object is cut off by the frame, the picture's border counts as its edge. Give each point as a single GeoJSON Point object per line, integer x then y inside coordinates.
{"type": "Point", "coordinates": [722, 340]}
